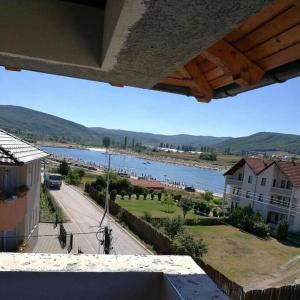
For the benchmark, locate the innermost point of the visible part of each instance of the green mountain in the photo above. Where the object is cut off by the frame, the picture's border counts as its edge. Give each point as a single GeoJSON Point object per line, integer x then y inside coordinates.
{"type": "Point", "coordinates": [262, 141]}
{"type": "Point", "coordinates": [156, 139]}
{"type": "Point", "coordinates": [34, 125]}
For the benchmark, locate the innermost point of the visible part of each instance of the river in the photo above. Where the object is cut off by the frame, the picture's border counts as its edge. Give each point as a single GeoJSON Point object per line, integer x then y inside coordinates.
{"type": "Point", "coordinates": [199, 178]}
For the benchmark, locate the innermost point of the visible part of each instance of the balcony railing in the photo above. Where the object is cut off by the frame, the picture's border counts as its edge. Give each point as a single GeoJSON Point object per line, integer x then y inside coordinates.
{"type": "Point", "coordinates": [234, 181]}
{"type": "Point", "coordinates": [281, 191]}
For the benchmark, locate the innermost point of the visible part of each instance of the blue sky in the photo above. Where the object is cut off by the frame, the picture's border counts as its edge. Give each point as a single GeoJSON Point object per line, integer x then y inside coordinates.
{"type": "Point", "coordinates": [275, 108]}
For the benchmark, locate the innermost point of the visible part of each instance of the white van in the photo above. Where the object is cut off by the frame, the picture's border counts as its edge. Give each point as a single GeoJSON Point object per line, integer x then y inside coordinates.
{"type": "Point", "coordinates": [53, 180]}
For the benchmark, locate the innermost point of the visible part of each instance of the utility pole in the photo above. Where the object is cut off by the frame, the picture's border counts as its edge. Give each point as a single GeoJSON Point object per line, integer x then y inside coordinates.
{"type": "Point", "coordinates": [107, 230]}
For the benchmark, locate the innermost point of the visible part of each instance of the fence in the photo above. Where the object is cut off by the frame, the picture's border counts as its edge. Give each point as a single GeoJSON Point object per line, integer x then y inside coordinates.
{"type": "Point", "coordinates": [162, 244]}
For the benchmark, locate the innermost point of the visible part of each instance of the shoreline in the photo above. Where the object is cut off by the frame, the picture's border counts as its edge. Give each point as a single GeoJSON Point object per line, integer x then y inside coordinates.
{"type": "Point", "coordinates": [171, 160]}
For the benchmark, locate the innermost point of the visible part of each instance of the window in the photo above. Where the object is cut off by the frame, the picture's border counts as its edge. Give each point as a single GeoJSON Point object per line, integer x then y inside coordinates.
{"type": "Point", "coordinates": [250, 179]}
{"type": "Point", "coordinates": [263, 181]}
{"type": "Point", "coordinates": [240, 177]}
{"type": "Point", "coordinates": [279, 200]}
{"type": "Point", "coordinates": [260, 198]}
{"type": "Point", "coordinates": [274, 183]}
{"type": "Point", "coordinates": [248, 194]}
{"type": "Point", "coordinates": [272, 199]}
{"type": "Point", "coordinates": [282, 184]}
{"type": "Point", "coordinates": [289, 185]}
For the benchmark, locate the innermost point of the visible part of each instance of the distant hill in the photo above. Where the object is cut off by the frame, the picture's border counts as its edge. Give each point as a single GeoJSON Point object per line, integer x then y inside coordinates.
{"type": "Point", "coordinates": [262, 141]}
{"type": "Point", "coordinates": [29, 123]}
{"type": "Point", "coordinates": [156, 139]}
{"type": "Point", "coordinates": [34, 125]}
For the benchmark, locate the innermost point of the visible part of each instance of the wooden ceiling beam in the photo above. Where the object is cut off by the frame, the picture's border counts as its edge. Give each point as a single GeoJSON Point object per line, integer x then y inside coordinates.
{"type": "Point", "coordinates": [234, 63]}
{"type": "Point", "coordinates": [200, 81]}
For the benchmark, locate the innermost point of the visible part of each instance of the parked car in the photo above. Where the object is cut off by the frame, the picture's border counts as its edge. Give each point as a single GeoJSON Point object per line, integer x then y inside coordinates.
{"type": "Point", "coordinates": [53, 180]}
{"type": "Point", "coordinates": [189, 189]}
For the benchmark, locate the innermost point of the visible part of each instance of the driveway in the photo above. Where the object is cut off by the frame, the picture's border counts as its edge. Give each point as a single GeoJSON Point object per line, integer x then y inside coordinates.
{"type": "Point", "coordinates": [86, 216]}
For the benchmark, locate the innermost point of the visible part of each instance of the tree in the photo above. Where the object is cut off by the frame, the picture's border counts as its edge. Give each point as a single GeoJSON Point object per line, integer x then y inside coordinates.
{"type": "Point", "coordinates": [186, 205]}
{"type": "Point", "coordinates": [125, 142]}
{"type": "Point", "coordinates": [113, 195]}
{"type": "Point", "coordinates": [173, 227]}
{"type": "Point", "coordinates": [168, 202]}
{"type": "Point", "coordinates": [208, 196]}
{"type": "Point", "coordinates": [185, 244]}
{"type": "Point", "coordinates": [159, 196]}
{"type": "Point", "coordinates": [63, 168]}
{"type": "Point", "coordinates": [81, 174]}
{"type": "Point", "coordinates": [282, 229]}
{"type": "Point", "coordinates": [106, 142]}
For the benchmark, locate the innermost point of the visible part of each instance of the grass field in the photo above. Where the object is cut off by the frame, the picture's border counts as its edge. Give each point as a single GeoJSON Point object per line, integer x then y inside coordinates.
{"type": "Point", "coordinates": [154, 207]}
{"type": "Point", "coordinates": [246, 259]}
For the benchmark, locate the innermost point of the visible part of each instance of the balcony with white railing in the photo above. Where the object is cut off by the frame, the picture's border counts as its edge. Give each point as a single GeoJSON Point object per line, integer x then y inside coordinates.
{"type": "Point", "coordinates": [134, 277]}
{"type": "Point", "coordinates": [281, 191]}
{"type": "Point", "coordinates": [233, 180]}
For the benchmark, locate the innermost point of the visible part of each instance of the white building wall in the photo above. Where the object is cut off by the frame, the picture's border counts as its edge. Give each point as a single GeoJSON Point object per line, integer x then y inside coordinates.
{"type": "Point", "coordinates": [247, 186]}
{"type": "Point", "coordinates": [296, 214]}
{"type": "Point", "coordinates": [33, 181]}
{"type": "Point", "coordinates": [265, 190]}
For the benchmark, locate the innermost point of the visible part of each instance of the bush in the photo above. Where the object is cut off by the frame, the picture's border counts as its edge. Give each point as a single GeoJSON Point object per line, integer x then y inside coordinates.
{"type": "Point", "coordinates": [282, 229]}
{"type": "Point", "coordinates": [186, 245]}
{"type": "Point", "coordinates": [208, 156]}
{"type": "Point", "coordinates": [173, 227]}
{"type": "Point", "coordinates": [215, 212]}
{"type": "Point", "coordinates": [261, 229]}
{"type": "Point", "coordinates": [113, 195]}
{"type": "Point", "coordinates": [147, 216]}
{"type": "Point", "coordinates": [208, 196]}
{"type": "Point", "coordinates": [73, 178]}
{"type": "Point", "coordinates": [248, 220]}
{"type": "Point", "coordinates": [201, 208]}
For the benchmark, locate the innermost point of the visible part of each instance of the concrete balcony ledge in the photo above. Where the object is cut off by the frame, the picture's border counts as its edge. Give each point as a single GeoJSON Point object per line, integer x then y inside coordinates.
{"type": "Point", "coordinates": [59, 276]}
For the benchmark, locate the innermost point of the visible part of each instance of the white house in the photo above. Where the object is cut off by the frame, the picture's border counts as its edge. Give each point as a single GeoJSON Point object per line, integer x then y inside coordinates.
{"type": "Point", "coordinates": [270, 187]}
{"type": "Point", "coordinates": [20, 180]}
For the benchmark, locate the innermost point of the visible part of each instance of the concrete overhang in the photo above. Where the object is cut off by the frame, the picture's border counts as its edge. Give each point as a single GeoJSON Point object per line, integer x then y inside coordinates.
{"type": "Point", "coordinates": [139, 43]}
{"type": "Point", "coordinates": [60, 276]}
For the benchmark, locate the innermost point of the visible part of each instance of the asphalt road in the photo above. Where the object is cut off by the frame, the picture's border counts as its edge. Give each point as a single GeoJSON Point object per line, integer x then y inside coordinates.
{"type": "Point", "coordinates": [86, 216]}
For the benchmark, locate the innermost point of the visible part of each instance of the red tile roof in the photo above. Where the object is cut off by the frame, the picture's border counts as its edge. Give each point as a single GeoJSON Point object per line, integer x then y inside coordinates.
{"type": "Point", "coordinates": [291, 170]}
{"type": "Point", "coordinates": [257, 165]}
{"type": "Point", "coordinates": [151, 184]}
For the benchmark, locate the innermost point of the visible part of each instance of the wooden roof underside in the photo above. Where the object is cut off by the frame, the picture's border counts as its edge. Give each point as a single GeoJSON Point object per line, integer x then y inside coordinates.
{"type": "Point", "coordinates": [264, 42]}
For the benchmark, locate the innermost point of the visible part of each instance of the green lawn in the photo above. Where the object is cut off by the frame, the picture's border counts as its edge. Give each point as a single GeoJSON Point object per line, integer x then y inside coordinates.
{"type": "Point", "coordinates": [154, 207]}
{"type": "Point", "coordinates": [245, 258]}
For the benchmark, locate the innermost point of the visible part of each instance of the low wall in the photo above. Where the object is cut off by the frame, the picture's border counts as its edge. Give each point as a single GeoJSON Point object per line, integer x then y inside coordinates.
{"type": "Point", "coordinates": [162, 244]}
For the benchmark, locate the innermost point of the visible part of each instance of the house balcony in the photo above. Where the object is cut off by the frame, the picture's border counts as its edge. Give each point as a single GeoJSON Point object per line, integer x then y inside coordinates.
{"type": "Point", "coordinates": [280, 191]}
{"type": "Point", "coordinates": [12, 211]}
{"type": "Point", "coordinates": [233, 181]}
{"type": "Point", "coordinates": [62, 276]}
